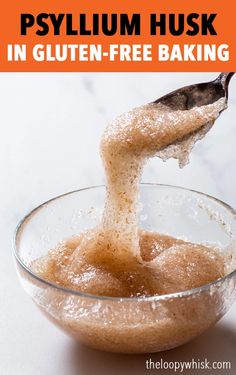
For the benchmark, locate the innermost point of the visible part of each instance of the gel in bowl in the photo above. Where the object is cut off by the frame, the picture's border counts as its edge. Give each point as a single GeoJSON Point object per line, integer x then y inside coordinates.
{"type": "Point", "coordinates": [130, 325]}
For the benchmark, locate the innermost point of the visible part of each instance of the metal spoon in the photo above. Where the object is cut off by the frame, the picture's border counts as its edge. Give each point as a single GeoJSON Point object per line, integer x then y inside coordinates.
{"type": "Point", "coordinates": [198, 94]}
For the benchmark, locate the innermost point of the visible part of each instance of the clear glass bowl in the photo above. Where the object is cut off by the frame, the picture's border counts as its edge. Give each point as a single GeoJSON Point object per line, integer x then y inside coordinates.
{"type": "Point", "coordinates": [130, 325]}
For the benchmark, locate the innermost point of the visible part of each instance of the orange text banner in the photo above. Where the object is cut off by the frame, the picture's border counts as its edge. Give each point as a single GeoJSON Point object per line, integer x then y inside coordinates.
{"type": "Point", "coordinates": [117, 36]}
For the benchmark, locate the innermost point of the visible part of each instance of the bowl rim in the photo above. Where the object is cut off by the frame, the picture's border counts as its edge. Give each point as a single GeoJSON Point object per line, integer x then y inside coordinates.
{"type": "Point", "coordinates": [155, 298]}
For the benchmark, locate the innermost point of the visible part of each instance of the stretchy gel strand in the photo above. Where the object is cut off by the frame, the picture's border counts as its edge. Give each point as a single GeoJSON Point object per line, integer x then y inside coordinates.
{"type": "Point", "coordinates": [118, 258]}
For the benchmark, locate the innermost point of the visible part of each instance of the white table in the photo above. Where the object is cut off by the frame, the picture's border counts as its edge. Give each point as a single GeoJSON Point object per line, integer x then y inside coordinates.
{"type": "Point", "coordinates": [50, 125]}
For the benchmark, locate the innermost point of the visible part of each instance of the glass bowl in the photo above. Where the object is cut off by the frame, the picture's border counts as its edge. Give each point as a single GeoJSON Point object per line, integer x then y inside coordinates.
{"type": "Point", "coordinates": [130, 325]}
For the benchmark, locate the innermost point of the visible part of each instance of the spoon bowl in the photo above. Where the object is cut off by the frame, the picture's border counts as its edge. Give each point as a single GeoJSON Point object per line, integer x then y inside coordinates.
{"type": "Point", "coordinates": [198, 94]}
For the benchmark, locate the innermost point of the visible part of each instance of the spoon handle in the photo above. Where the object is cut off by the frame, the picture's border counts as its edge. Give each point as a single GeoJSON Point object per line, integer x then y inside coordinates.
{"type": "Point", "coordinates": [224, 78]}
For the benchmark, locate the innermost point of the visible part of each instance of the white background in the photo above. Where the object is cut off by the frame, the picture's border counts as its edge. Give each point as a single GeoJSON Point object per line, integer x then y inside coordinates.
{"type": "Point", "coordinates": [50, 126]}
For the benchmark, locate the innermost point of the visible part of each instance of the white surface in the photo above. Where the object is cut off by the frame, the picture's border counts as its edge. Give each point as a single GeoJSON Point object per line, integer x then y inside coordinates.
{"type": "Point", "coordinates": [50, 126]}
